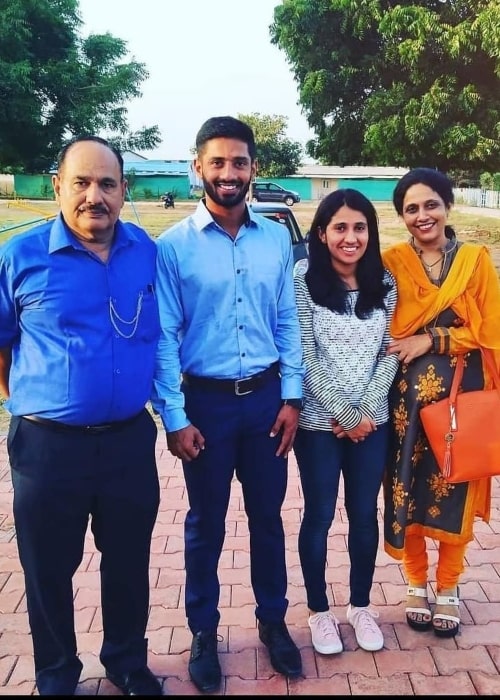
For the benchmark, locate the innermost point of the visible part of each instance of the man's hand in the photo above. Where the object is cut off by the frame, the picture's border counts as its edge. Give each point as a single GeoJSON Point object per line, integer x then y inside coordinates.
{"type": "Point", "coordinates": [186, 443]}
{"type": "Point", "coordinates": [5, 361]}
{"type": "Point", "coordinates": [286, 421]}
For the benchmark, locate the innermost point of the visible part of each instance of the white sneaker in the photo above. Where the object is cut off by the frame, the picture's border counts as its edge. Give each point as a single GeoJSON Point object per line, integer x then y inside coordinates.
{"type": "Point", "coordinates": [368, 634]}
{"type": "Point", "coordinates": [325, 633]}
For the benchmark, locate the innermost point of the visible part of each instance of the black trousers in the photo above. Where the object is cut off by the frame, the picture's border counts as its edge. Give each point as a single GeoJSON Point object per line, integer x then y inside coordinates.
{"type": "Point", "coordinates": [62, 482]}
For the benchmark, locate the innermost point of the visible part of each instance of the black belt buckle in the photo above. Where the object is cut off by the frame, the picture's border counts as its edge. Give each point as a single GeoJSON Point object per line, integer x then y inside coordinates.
{"type": "Point", "coordinates": [103, 428]}
{"type": "Point", "coordinates": [238, 384]}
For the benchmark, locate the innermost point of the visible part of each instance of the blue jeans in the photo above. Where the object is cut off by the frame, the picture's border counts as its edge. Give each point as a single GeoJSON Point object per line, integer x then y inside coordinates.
{"type": "Point", "coordinates": [321, 457]}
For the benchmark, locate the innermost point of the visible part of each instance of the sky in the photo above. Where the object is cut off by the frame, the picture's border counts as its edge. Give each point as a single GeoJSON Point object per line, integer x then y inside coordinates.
{"type": "Point", "coordinates": [205, 58]}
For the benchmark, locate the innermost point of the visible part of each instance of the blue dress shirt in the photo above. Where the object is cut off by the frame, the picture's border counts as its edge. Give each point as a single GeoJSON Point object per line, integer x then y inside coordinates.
{"type": "Point", "coordinates": [83, 332]}
{"type": "Point", "coordinates": [227, 307]}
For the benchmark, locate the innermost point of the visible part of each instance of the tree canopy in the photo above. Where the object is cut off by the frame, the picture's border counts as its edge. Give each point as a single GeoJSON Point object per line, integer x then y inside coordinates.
{"type": "Point", "coordinates": [55, 84]}
{"type": "Point", "coordinates": [406, 84]}
{"type": "Point", "coordinates": [277, 155]}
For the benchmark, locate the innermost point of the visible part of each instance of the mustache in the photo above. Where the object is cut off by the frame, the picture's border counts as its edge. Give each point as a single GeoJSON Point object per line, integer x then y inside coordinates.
{"type": "Point", "coordinates": [97, 209]}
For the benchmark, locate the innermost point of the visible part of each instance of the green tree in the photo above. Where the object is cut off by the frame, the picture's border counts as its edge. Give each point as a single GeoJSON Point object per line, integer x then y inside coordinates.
{"type": "Point", "coordinates": [490, 181]}
{"type": "Point", "coordinates": [413, 83]}
{"type": "Point", "coordinates": [277, 155]}
{"type": "Point", "coordinates": [55, 84]}
{"type": "Point", "coordinates": [486, 181]}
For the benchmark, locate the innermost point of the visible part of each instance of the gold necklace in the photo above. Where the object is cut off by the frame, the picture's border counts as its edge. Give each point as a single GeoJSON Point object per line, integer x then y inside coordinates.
{"type": "Point", "coordinates": [429, 267]}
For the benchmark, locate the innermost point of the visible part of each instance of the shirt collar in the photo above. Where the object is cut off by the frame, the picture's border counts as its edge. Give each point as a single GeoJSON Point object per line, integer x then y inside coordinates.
{"type": "Point", "coordinates": [202, 217]}
{"type": "Point", "coordinates": [61, 236]}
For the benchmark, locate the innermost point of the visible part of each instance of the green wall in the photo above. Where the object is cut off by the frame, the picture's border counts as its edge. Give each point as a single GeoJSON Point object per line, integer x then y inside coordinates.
{"type": "Point", "coordinates": [151, 187]}
{"type": "Point", "coordinates": [375, 190]}
{"type": "Point", "coordinates": [33, 186]}
{"type": "Point", "coordinates": [141, 188]}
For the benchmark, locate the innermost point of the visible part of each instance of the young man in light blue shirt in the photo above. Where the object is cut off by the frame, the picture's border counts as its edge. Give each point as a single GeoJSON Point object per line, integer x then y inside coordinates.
{"type": "Point", "coordinates": [228, 387]}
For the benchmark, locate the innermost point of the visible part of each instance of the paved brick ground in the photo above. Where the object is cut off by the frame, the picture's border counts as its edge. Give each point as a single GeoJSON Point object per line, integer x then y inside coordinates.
{"type": "Point", "coordinates": [411, 663]}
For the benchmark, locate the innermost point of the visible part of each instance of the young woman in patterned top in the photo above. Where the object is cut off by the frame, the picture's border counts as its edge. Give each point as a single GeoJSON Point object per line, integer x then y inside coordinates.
{"type": "Point", "coordinates": [345, 300]}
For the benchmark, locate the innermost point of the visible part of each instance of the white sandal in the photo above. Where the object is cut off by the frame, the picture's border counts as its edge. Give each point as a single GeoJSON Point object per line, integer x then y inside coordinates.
{"type": "Point", "coordinates": [450, 630]}
{"type": "Point", "coordinates": [421, 624]}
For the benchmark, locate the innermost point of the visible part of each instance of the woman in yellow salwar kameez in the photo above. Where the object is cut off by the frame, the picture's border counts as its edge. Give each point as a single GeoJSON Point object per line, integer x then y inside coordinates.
{"type": "Point", "coordinates": [448, 304]}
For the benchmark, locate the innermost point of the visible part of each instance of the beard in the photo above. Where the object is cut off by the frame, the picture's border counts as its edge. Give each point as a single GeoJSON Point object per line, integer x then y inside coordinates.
{"type": "Point", "coordinates": [229, 200]}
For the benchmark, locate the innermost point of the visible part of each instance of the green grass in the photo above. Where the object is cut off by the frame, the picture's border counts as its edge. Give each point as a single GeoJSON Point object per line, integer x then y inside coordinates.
{"type": "Point", "coordinates": [154, 218]}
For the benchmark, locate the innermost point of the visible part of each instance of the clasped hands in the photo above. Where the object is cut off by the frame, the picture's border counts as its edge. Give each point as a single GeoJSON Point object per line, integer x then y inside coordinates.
{"type": "Point", "coordinates": [357, 434]}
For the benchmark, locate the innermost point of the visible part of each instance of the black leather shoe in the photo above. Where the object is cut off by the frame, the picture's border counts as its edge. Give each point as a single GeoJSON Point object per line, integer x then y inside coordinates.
{"type": "Point", "coordinates": [140, 682]}
{"type": "Point", "coordinates": [204, 668]}
{"type": "Point", "coordinates": [284, 654]}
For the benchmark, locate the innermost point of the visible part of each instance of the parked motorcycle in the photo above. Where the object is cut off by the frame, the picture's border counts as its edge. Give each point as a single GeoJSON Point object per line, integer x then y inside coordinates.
{"type": "Point", "coordinates": [168, 200]}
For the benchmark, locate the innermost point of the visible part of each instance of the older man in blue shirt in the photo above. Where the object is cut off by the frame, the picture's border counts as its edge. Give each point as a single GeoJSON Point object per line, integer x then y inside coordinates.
{"type": "Point", "coordinates": [230, 330]}
{"type": "Point", "coordinates": [79, 327]}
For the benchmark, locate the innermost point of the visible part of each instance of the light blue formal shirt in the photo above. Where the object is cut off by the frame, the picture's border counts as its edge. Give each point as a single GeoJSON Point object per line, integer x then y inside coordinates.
{"type": "Point", "coordinates": [227, 307]}
{"type": "Point", "coordinates": [83, 332]}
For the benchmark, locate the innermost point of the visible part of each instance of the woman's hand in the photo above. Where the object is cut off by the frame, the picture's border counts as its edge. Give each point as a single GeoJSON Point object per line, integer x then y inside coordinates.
{"type": "Point", "coordinates": [408, 349]}
{"type": "Point", "coordinates": [357, 434]}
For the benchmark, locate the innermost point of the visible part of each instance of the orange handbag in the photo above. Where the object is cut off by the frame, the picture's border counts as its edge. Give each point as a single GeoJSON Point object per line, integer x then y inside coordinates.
{"type": "Point", "coordinates": [463, 430]}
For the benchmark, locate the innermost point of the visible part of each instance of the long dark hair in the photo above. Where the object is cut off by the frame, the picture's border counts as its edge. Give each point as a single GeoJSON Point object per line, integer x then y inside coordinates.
{"type": "Point", "coordinates": [435, 180]}
{"type": "Point", "coordinates": [324, 283]}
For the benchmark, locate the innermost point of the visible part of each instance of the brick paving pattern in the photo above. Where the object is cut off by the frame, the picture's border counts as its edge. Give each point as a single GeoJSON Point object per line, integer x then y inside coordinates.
{"type": "Point", "coordinates": [411, 663]}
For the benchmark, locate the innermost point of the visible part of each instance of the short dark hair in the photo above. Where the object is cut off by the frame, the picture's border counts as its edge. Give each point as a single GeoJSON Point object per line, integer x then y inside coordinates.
{"type": "Point", "coordinates": [88, 137]}
{"type": "Point", "coordinates": [324, 284]}
{"type": "Point", "coordinates": [226, 127]}
{"type": "Point", "coordinates": [436, 180]}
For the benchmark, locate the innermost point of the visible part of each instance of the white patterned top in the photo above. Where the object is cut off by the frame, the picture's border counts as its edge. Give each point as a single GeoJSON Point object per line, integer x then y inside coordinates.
{"type": "Point", "coordinates": [348, 373]}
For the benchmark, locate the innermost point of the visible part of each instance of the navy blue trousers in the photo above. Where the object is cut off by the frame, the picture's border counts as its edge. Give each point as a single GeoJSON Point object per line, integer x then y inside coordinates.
{"type": "Point", "coordinates": [63, 480]}
{"type": "Point", "coordinates": [236, 430]}
{"type": "Point", "coordinates": [321, 458]}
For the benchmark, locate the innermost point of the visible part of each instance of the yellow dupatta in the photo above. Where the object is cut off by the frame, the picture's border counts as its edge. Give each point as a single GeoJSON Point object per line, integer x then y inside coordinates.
{"type": "Point", "coordinates": [471, 289]}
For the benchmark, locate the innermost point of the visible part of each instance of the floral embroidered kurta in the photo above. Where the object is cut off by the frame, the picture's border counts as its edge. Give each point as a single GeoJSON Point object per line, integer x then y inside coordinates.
{"type": "Point", "coordinates": [462, 314]}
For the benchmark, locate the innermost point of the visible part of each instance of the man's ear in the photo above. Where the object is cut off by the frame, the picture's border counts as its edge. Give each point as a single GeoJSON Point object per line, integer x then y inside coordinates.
{"type": "Point", "coordinates": [255, 167]}
{"type": "Point", "coordinates": [56, 184]}
{"type": "Point", "coordinates": [197, 167]}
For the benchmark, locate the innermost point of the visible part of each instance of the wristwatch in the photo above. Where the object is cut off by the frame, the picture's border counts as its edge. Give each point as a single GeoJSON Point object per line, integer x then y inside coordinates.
{"type": "Point", "coordinates": [294, 403]}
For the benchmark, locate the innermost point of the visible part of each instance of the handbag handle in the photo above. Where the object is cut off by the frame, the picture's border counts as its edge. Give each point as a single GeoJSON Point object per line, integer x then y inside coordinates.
{"type": "Point", "coordinates": [487, 356]}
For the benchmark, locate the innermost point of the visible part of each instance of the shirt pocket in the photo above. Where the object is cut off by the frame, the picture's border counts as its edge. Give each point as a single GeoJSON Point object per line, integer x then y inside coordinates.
{"type": "Point", "coordinates": [148, 327]}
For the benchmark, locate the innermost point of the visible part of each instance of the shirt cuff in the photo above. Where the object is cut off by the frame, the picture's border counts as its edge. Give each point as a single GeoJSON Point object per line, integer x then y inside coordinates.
{"type": "Point", "coordinates": [175, 419]}
{"type": "Point", "coordinates": [440, 338]}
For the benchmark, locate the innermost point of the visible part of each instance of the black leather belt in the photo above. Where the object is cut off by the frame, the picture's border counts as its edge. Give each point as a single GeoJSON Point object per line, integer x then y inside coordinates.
{"type": "Point", "coordinates": [89, 429]}
{"type": "Point", "coordinates": [240, 387]}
